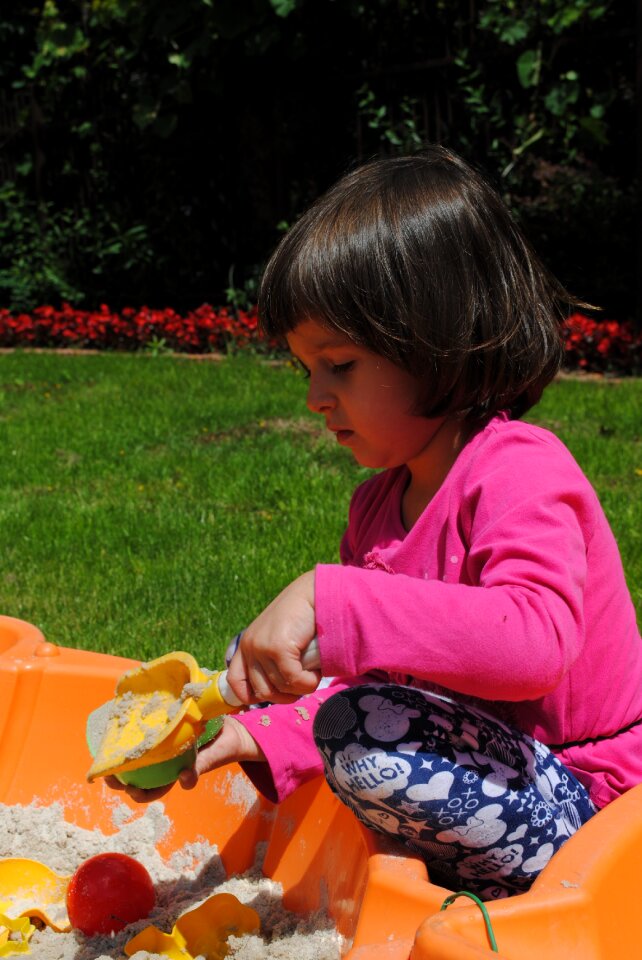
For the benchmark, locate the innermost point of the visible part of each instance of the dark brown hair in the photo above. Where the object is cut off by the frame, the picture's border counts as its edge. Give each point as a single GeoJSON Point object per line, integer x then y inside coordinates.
{"type": "Point", "coordinates": [418, 259]}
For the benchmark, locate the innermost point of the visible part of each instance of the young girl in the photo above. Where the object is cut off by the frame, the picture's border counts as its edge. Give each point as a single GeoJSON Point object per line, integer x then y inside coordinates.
{"type": "Point", "coordinates": [488, 668]}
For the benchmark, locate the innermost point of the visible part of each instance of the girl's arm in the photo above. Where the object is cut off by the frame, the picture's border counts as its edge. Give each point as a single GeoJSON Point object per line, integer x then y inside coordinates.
{"type": "Point", "coordinates": [488, 595]}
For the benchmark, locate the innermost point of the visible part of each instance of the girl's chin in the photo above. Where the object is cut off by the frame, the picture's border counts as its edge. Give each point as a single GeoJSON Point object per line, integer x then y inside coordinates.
{"type": "Point", "coordinates": [370, 461]}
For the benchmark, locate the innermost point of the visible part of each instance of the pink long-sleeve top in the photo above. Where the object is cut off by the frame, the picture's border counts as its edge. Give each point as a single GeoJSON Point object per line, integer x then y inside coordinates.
{"type": "Point", "coordinates": [507, 592]}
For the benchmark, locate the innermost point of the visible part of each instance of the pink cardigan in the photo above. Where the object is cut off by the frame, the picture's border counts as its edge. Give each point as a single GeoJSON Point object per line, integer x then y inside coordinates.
{"type": "Point", "coordinates": [508, 591]}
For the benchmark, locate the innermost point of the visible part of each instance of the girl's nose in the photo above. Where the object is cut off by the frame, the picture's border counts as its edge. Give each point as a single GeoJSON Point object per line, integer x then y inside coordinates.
{"type": "Point", "coordinates": [319, 398]}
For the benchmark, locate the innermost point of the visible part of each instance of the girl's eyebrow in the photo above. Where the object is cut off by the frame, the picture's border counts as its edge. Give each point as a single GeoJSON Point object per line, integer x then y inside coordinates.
{"type": "Point", "coordinates": [331, 344]}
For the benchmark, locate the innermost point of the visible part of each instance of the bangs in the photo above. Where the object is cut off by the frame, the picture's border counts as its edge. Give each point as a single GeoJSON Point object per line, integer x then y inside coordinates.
{"type": "Point", "coordinates": [418, 259]}
{"type": "Point", "coordinates": [343, 264]}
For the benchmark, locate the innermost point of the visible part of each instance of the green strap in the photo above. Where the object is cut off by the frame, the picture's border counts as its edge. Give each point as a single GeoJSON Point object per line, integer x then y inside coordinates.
{"type": "Point", "coordinates": [471, 896]}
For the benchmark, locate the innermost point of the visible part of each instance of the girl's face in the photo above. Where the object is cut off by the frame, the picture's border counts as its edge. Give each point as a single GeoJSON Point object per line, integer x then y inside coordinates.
{"type": "Point", "coordinates": [367, 400]}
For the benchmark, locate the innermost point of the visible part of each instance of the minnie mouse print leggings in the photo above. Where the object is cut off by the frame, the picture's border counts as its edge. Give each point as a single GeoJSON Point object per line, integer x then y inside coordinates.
{"type": "Point", "coordinates": [485, 806]}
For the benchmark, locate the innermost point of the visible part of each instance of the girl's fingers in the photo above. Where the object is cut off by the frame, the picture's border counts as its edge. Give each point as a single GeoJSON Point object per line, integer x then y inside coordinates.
{"type": "Point", "coordinates": [288, 676]}
{"type": "Point", "coordinates": [259, 681]}
{"type": "Point", "coordinates": [239, 681]}
{"type": "Point", "coordinates": [137, 794]}
{"type": "Point", "coordinates": [233, 744]}
{"type": "Point", "coordinates": [309, 681]}
{"type": "Point", "coordinates": [268, 683]}
{"type": "Point", "coordinates": [188, 778]}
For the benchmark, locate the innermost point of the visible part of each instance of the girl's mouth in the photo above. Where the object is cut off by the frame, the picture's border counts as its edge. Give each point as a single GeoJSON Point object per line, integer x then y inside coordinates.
{"type": "Point", "coordinates": [343, 436]}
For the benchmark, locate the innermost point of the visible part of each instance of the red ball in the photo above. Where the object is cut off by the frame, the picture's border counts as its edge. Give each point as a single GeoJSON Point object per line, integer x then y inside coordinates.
{"type": "Point", "coordinates": [107, 892]}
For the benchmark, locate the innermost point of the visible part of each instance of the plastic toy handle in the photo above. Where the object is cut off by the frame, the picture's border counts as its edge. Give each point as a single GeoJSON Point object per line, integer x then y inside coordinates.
{"type": "Point", "coordinates": [309, 661]}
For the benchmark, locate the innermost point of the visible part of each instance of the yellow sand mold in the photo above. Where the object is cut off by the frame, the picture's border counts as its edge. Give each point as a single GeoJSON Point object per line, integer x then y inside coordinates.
{"type": "Point", "coordinates": [201, 932]}
{"type": "Point", "coordinates": [14, 935]}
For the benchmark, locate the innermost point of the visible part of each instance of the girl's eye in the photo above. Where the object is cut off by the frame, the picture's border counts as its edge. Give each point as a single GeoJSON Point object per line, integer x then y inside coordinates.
{"type": "Point", "coordinates": [301, 367]}
{"type": "Point", "coordinates": [342, 367]}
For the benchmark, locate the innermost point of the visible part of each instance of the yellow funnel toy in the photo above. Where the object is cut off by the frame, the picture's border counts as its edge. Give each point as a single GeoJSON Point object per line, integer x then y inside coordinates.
{"type": "Point", "coordinates": [159, 711]}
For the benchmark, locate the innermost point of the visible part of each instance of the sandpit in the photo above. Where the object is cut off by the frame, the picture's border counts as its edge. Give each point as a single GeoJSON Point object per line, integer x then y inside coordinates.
{"type": "Point", "coordinates": [190, 875]}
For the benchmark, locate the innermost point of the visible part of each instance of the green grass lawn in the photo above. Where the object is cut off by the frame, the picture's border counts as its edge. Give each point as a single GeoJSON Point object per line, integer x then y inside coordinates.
{"type": "Point", "coordinates": [157, 503]}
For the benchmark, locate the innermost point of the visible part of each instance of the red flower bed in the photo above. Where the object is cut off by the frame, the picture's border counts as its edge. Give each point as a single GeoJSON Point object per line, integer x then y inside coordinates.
{"type": "Point", "coordinates": [601, 346]}
{"type": "Point", "coordinates": [203, 330]}
{"type": "Point", "coordinates": [604, 346]}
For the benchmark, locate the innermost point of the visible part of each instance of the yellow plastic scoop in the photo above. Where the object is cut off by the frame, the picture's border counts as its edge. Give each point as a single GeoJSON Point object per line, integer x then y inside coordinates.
{"type": "Point", "coordinates": [30, 889]}
{"type": "Point", "coordinates": [159, 711]}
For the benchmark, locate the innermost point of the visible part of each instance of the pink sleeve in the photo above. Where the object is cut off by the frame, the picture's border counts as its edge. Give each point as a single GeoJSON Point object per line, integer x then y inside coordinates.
{"type": "Point", "coordinates": [510, 635]}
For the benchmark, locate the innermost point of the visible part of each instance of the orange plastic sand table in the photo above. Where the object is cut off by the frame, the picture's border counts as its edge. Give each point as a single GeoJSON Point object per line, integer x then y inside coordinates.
{"type": "Point", "coordinates": [585, 904]}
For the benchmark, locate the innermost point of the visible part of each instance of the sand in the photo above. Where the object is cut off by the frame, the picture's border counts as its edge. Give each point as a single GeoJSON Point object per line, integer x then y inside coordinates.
{"type": "Point", "coordinates": [188, 877]}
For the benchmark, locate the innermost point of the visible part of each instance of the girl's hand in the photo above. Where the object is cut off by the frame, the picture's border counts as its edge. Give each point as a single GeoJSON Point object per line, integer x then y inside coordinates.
{"type": "Point", "coordinates": [231, 745]}
{"type": "Point", "coordinates": [267, 664]}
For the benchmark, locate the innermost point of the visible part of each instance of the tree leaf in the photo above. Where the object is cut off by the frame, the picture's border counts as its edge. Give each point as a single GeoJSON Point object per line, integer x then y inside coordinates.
{"type": "Point", "coordinates": [283, 8]}
{"type": "Point", "coordinates": [528, 67]}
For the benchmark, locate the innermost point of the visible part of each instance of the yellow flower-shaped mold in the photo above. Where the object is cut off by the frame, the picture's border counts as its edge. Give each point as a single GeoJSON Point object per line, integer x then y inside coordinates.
{"type": "Point", "coordinates": [201, 932]}
{"type": "Point", "coordinates": [15, 934]}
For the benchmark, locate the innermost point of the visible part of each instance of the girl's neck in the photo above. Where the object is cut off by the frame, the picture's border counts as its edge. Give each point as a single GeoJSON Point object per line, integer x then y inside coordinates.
{"type": "Point", "coordinates": [429, 470]}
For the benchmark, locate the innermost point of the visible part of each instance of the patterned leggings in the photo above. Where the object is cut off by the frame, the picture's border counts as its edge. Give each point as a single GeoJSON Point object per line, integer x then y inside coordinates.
{"type": "Point", "coordinates": [485, 806]}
